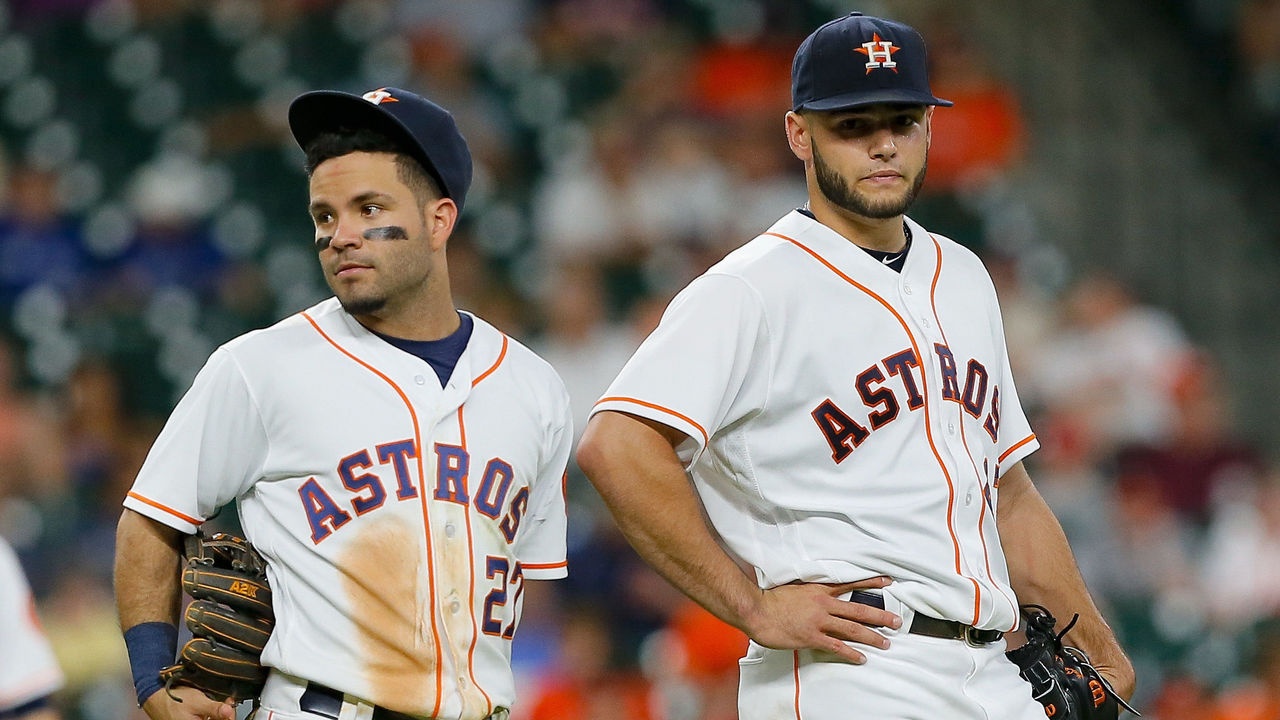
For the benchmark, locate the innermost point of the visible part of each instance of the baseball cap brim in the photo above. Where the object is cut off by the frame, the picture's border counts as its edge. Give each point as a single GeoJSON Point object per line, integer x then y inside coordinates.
{"type": "Point", "coordinates": [321, 111]}
{"type": "Point", "coordinates": [864, 98]}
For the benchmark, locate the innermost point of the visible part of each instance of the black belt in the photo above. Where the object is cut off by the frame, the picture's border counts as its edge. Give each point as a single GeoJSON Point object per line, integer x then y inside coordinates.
{"type": "Point", "coordinates": [322, 700]}
{"type": "Point", "coordinates": [934, 627]}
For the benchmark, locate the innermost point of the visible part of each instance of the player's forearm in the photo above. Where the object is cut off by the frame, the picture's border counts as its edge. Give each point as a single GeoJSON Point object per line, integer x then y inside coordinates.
{"type": "Point", "coordinates": [1042, 570]}
{"type": "Point", "coordinates": [641, 480]}
{"type": "Point", "coordinates": [147, 581]}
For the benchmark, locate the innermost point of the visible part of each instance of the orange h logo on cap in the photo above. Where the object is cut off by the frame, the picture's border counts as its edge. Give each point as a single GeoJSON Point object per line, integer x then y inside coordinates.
{"type": "Point", "coordinates": [379, 96]}
{"type": "Point", "coordinates": [879, 53]}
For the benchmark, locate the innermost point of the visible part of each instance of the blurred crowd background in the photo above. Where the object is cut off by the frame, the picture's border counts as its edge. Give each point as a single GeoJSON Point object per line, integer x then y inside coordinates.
{"type": "Point", "coordinates": [1117, 165]}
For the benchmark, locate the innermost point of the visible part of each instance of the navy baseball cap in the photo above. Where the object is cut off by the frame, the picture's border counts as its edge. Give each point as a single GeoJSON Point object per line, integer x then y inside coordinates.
{"type": "Point", "coordinates": [861, 60]}
{"type": "Point", "coordinates": [427, 130]}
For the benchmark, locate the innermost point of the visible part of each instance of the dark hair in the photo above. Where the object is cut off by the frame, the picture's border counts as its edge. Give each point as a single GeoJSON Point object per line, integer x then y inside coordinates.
{"type": "Point", "coordinates": [330, 145]}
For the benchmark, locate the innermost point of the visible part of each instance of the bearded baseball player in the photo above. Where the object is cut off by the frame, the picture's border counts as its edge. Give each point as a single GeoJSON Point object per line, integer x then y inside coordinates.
{"type": "Point", "coordinates": [398, 464]}
{"type": "Point", "coordinates": [29, 672]}
{"type": "Point", "coordinates": [839, 392]}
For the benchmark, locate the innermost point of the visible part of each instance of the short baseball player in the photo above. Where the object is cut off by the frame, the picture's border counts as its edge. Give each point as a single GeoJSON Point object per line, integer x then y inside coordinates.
{"type": "Point", "coordinates": [398, 463]}
{"type": "Point", "coordinates": [839, 392]}
{"type": "Point", "coordinates": [29, 673]}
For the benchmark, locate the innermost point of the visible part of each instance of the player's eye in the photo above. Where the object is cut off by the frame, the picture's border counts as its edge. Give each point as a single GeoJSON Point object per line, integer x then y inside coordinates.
{"type": "Point", "coordinates": [370, 210]}
{"type": "Point", "coordinates": [322, 218]}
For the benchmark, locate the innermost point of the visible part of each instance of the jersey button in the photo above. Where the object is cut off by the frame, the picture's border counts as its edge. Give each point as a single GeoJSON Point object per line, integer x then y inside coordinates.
{"type": "Point", "coordinates": [925, 323]}
{"type": "Point", "coordinates": [951, 428]}
{"type": "Point", "coordinates": [450, 529]}
{"type": "Point", "coordinates": [968, 498]}
{"type": "Point", "coordinates": [419, 379]}
{"type": "Point", "coordinates": [906, 288]}
{"type": "Point", "coordinates": [455, 606]}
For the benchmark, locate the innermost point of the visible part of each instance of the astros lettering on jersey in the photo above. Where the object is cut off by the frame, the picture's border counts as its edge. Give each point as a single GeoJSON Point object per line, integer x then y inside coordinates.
{"type": "Point", "coordinates": [400, 520]}
{"type": "Point", "coordinates": [844, 420]}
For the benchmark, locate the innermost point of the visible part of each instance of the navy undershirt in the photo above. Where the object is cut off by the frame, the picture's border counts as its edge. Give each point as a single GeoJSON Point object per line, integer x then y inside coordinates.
{"type": "Point", "coordinates": [442, 355]}
{"type": "Point", "coordinates": [896, 263]}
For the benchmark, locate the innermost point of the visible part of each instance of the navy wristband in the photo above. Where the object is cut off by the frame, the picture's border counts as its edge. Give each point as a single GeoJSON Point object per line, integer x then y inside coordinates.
{"type": "Point", "coordinates": [152, 647]}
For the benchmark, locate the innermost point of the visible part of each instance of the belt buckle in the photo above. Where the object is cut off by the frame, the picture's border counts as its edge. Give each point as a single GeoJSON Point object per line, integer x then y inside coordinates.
{"type": "Point", "coordinates": [969, 637]}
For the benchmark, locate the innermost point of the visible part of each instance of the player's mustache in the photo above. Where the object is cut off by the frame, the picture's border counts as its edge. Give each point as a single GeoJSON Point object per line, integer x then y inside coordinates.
{"type": "Point", "coordinates": [388, 232]}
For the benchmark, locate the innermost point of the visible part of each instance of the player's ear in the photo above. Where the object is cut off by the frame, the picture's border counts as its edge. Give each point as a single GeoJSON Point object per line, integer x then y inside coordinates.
{"type": "Point", "coordinates": [798, 136]}
{"type": "Point", "coordinates": [441, 215]}
{"type": "Point", "coordinates": [928, 127]}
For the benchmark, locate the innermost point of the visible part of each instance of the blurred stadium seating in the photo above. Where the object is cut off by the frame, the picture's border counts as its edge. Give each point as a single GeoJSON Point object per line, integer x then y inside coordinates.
{"type": "Point", "coordinates": [1116, 164]}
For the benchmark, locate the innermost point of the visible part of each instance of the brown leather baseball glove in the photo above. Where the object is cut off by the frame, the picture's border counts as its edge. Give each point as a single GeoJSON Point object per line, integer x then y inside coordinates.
{"type": "Point", "coordinates": [230, 619]}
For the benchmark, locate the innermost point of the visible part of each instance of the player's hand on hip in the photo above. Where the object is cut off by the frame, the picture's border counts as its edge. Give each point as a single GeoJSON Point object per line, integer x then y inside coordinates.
{"type": "Point", "coordinates": [195, 705]}
{"type": "Point", "coordinates": [812, 615]}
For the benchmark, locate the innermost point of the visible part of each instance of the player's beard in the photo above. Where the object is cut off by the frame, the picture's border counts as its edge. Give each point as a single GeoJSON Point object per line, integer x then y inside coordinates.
{"type": "Point", "coordinates": [836, 189]}
{"type": "Point", "coordinates": [363, 305]}
{"type": "Point", "coordinates": [362, 301]}
{"type": "Point", "coordinates": [393, 281]}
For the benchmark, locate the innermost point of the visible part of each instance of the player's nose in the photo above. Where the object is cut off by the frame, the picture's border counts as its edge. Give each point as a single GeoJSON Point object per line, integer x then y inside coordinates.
{"type": "Point", "coordinates": [347, 234]}
{"type": "Point", "coordinates": [883, 144]}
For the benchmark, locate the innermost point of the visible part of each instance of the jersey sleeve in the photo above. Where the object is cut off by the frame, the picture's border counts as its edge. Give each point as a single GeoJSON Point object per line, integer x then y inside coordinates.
{"type": "Point", "coordinates": [28, 668]}
{"type": "Point", "coordinates": [691, 373]}
{"type": "Point", "coordinates": [210, 451]}
{"type": "Point", "coordinates": [541, 547]}
{"type": "Point", "coordinates": [1014, 438]}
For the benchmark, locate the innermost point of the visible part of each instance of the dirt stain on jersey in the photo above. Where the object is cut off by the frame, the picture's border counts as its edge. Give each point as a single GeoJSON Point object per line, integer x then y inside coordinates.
{"type": "Point", "coordinates": [386, 584]}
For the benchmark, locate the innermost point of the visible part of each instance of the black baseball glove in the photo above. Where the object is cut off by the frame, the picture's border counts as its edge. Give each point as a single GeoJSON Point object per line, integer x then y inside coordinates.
{"type": "Point", "coordinates": [1061, 677]}
{"type": "Point", "coordinates": [230, 619]}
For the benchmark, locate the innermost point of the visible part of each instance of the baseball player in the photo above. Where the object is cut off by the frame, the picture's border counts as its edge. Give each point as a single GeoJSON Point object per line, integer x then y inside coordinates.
{"type": "Point", "coordinates": [398, 463]}
{"type": "Point", "coordinates": [29, 673]}
{"type": "Point", "coordinates": [838, 390]}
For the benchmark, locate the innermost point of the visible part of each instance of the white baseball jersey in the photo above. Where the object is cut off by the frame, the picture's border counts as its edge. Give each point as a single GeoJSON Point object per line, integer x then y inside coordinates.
{"type": "Point", "coordinates": [399, 519]}
{"type": "Point", "coordinates": [28, 669]}
{"type": "Point", "coordinates": [844, 420]}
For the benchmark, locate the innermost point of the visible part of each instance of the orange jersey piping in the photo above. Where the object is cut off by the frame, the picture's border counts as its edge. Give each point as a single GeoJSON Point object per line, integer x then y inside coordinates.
{"type": "Point", "coordinates": [1017, 445]}
{"type": "Point", "coordinates": [951, 491]}
{"type": "Point", "coordinates": [471, 572]}
{"type": "Point", "coordinates": [964, 438]}
{"type": "Point", "coordinates": [422, 494]}
{"type": "Point", "coordinates": [165, 508]}
{"type": "Point", "coordinates": [795, 664]}
{"type": "Point", "coordinates": [501, 356]}
{"type": "Point", "coordinates": [545, 566]}
{"type": "Point", "coordinates": [705, 439]}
